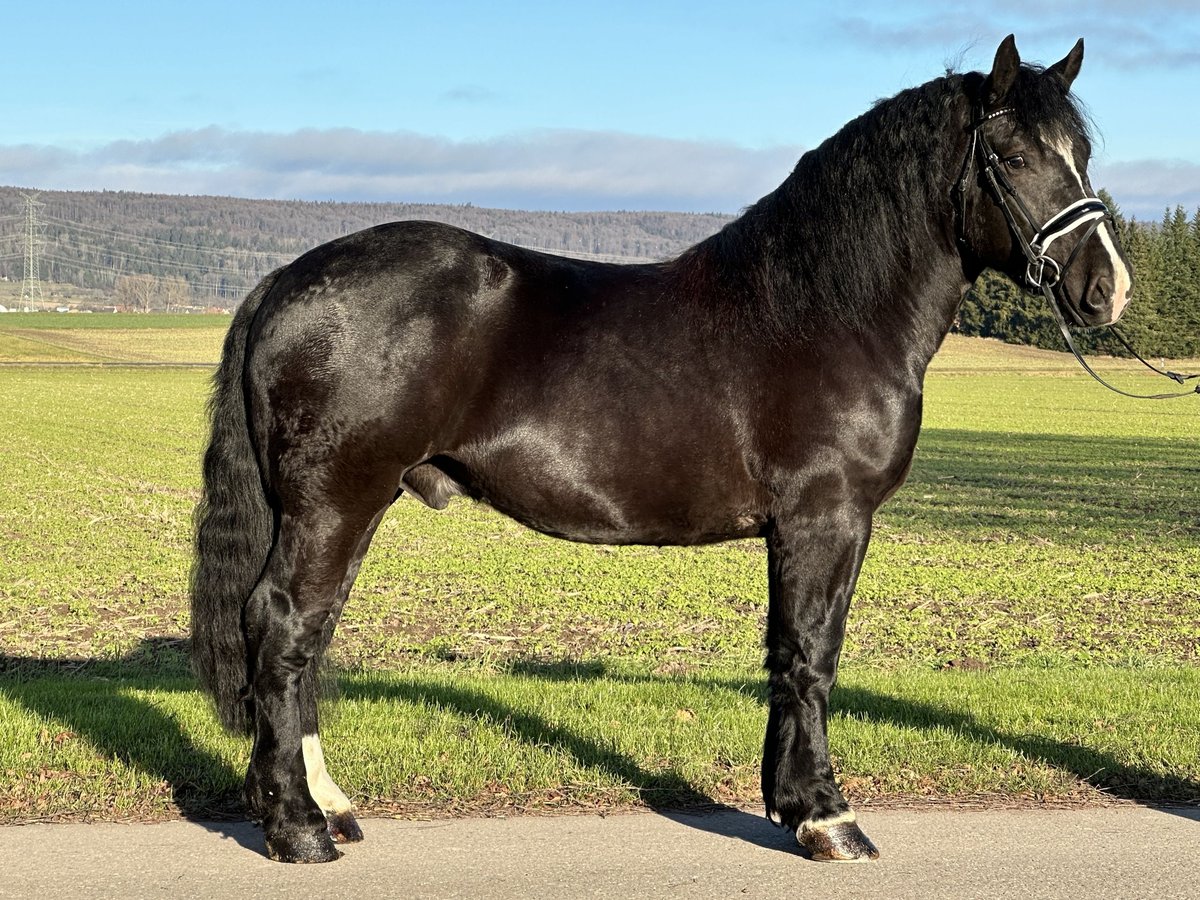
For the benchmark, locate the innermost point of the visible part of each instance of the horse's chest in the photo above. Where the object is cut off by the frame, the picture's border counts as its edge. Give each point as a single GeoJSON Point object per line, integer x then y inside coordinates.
{"type": "Point", "coordinates": [859, 444]}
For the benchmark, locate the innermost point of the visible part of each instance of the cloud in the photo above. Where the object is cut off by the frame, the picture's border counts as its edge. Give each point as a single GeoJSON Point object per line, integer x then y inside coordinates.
{"type": "Point", "coordinates": [937, 32]}
{"type": "Point", "coordinates": [552, 169]}
{"type": "Point", "coordinates": [568, 170]}
{"type": "Point", "coordinates": [1128, 35]}
{"type": "Point", "coordinates": [1147, 187]}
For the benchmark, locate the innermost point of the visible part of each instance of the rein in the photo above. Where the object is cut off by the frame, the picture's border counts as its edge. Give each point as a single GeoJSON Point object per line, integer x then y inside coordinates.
{"type": "Point", "coordinates": [1042, 272]}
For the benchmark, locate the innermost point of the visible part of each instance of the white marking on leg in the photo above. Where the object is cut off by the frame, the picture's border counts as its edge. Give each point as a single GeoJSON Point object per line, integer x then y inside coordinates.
{"type": "Point", "coordinates": [325, 793]}
{"type": "Point", "coordinates": [1122, 277]}
{"type": "Point", "coordinates": [828, 822]}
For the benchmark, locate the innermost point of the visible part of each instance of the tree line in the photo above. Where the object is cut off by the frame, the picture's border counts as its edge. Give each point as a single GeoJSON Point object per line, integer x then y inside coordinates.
{"type": "Point", "coordinates": [221, 246]}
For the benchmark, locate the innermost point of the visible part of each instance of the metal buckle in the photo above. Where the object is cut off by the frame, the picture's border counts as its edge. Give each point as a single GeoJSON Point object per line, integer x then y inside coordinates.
{"type": "Point", "coordinates": [1035, 272]}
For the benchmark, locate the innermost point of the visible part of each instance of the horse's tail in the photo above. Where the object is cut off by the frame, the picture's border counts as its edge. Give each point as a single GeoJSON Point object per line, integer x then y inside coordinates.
{"type": "Point", "coordinates": [234, 528]}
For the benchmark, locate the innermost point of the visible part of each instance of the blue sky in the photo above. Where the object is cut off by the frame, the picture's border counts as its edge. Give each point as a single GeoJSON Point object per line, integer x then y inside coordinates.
{"type": "Point", "coordinates": [616, 105]}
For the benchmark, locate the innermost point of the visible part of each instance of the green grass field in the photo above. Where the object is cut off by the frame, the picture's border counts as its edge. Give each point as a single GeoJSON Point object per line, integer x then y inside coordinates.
{"type": "Point", "coordinates": [1026, 628]}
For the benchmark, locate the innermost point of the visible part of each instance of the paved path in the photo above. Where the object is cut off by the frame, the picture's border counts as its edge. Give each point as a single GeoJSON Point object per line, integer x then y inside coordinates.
{"type": "Point", "coordinates": [1125, 852]}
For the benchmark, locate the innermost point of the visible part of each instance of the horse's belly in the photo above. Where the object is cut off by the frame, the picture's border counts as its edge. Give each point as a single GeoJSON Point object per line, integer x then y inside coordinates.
{"type": "Point", "coordinates": [640, 500]}
{"type": "Point", "coordinates": [616, 524]}
{"type": "Point", "coordinates": [590, 518]}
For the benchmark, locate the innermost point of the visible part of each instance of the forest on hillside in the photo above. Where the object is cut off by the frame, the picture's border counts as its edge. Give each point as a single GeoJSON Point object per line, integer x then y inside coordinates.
{"type": "Point", "coordinates": [221, 246]}
{"type": "Point", "coordinates": [151, 250]}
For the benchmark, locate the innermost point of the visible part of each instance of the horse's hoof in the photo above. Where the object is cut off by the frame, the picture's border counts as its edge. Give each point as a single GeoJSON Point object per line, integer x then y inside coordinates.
{"type": "Point", "coordinates": [343, 828]}
{"type": "Point", "coordinates": [302, 847]}
{"type": "Point", "coordinates": [843, 842]}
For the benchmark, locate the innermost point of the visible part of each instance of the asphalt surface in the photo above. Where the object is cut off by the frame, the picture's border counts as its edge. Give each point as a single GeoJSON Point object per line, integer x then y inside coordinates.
{"type": "Point", "coordinates": [1117, 852]}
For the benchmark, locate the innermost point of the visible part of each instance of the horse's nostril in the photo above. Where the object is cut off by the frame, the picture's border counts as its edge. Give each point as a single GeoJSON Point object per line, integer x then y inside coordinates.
{"type": "Point", "coordinates": [1099, 297]}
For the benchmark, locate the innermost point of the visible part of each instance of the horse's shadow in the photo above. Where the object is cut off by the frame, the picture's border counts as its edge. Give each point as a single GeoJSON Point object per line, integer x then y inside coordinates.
{"type": "Point", "coordinates": [1118, 780]}
{"type": "Point", "coordinates": [204, 787]}
{"type": "Point", "coordinates": [102, 708]}
{"type": "Point", "coordinates": [667, 793]}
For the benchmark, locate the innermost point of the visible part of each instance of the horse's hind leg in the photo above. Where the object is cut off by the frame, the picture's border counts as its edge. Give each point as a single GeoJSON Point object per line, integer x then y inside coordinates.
{"type": "Point", "coordinates": [338, 810]}
{"type": "Point", "coordinates": [289, 618]}
{"type": "Point", "coordinates": [335, 805]}
{"type": "Point", "coordinates": [814, 562]}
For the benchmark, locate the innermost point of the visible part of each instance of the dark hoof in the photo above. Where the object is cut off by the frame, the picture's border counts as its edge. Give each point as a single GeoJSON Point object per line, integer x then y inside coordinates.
{"type": "Point", "coordinates": [843, 842]}
{"type": "Point", "coordinates": [343, 828]}
{"type": "Point", "coordinates": [302, 847]}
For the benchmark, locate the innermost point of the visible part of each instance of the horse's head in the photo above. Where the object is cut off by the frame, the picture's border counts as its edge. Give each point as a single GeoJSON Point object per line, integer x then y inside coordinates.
{"type": "Point", "coordinates": [1025, 205]}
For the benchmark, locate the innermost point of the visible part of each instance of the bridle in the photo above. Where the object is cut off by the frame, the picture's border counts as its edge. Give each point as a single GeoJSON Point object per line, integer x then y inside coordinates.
{"type": "Point", "coordinates": [1042, 272]}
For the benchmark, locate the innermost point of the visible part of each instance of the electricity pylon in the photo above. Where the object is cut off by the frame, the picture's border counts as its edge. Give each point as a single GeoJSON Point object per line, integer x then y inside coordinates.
{"type": "Point", "coordinates": [31, 286]}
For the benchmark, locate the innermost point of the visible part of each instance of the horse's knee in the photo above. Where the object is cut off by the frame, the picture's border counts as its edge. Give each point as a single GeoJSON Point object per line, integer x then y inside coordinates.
{"type": "Point", "coordinates": [791, 680]}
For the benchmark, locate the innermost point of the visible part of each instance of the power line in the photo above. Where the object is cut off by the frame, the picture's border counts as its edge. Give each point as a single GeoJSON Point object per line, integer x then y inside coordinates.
{"type": "Point", "coordinates": [594, 257]}
{"type": "Point", "coordinates": [134, 257]}
{"type": "Point", "coordinates": [99, 269]}
{"type": "Point", "coordinates": [178, 245]}
{"type": "Point", "coordinates": [284, 256]}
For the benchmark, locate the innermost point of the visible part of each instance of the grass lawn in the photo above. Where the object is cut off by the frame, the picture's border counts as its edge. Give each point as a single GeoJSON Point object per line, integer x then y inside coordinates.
{"type": "Point", "coordinates": [1026, 628]}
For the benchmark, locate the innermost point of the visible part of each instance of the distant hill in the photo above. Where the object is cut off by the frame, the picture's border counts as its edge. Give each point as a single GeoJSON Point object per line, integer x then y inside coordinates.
{"type": "Point", "coordinates": [220, 246]}
{"type": "Point", "coordinates": [143, 251]}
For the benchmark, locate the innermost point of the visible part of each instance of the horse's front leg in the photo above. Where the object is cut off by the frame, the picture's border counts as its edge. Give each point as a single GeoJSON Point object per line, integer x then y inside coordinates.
{"type": "Point", "coordinates": [814, 561]}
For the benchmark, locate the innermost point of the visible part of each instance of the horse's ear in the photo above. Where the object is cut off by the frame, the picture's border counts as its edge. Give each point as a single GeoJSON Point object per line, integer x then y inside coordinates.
{"type": "Point", "coordinates": [1068, 67]}
{"type": "Point", "coordinates": [1004, 71]}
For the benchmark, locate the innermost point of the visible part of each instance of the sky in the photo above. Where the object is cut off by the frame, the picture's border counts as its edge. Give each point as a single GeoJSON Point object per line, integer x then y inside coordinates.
{"type": "Point", "coordinates": [652, 104]}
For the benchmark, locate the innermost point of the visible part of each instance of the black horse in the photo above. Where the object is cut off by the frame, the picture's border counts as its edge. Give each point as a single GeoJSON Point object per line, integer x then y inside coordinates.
{"type": "Point", "coordinates": [766, 383]}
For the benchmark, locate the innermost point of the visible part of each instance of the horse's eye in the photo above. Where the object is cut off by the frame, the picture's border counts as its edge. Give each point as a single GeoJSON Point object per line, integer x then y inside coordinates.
{"type": "Point", "coordinates": [1015, 162]}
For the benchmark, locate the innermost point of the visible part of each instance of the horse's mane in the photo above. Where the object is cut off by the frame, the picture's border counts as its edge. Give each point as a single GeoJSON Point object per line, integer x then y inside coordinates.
{"type": "Point", "coordinates": [841, 235]}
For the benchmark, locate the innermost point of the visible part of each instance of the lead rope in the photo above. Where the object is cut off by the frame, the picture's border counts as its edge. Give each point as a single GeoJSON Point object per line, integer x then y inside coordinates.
{"type": "Point", "coordinates": [1174, 376]}
{"type": "Point", "coordinates": [1052, 302]}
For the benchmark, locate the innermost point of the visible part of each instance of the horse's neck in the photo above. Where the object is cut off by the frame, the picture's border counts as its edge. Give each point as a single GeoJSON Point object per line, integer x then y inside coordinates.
{"type": "Point", "coordinates": [912, 335]}
{"type": "Point", "coordinates": [838, 250]}
{"type": "Point", "coordinates": [913, 299]}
